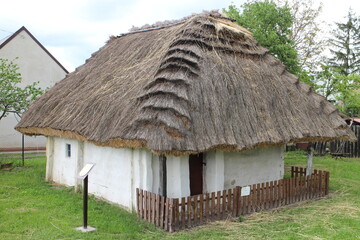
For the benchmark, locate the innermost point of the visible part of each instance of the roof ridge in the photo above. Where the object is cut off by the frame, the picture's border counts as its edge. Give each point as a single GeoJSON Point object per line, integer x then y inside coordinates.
{"type": "Point", "coordinates": [171, 23]}
{"type": "Point", "coordinates": [23, 28]}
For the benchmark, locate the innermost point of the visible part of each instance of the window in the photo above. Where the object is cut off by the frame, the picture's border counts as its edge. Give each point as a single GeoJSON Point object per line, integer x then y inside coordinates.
{"type": "Point", "coordinates": [68, 150]}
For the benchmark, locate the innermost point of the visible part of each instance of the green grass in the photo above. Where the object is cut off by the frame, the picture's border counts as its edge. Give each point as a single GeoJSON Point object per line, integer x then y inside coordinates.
{"type": "Point", "coordinates": [33, 209]}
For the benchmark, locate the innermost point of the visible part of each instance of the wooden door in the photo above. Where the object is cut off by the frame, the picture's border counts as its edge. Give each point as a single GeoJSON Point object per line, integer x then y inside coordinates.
{"type": "Point", "coordinates": [196, 173]}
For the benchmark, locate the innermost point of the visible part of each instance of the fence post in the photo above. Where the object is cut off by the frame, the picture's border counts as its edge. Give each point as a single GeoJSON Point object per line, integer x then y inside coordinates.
{"type": "Point", "coordinates": [183, 213]}
{"type": "Point", "coordinates": [152, 207]}
{"type": "Point", "coordinates": [218, 204]}
{"type": "Point", "coordinates": [162, 211]}
{"type": "Point", "coordinates": [167, 200]}
{"type": "Point", "coordinates": [201, 208]}
{"type": "Point", "coordinates": [157, 209]}
{"type": "Point", "coordinates": [141, 204]}
{"type": "Point", "coordinates": [189, 206]}
{"type": "Point", "coordinates": [137, 202]}
{"type": "Point", "coordinates": [171, 214]}
{"type": "Point", "coordinates": [238, 204]}
{"type": "Point", "coordinates": [235, 200]}
{"type": "Point", "coordinates": [322, 183]}
{"type": "Point", "coordinates": [177, 214]}
{"type": "Point", "coordinates": [195, 209]}
{"type": "Point", "coordinates": [327, 177]}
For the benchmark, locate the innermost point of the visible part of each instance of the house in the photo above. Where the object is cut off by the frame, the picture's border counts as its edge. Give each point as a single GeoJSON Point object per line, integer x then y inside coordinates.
{"type": "Point", "coordinates": [36, 64]}
{"type": "Point", "coordinates": [190, 107]}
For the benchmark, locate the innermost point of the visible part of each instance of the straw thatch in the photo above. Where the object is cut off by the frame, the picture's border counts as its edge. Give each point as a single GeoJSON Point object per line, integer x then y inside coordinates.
{"type": "Point", "coordinates": [201, 83]}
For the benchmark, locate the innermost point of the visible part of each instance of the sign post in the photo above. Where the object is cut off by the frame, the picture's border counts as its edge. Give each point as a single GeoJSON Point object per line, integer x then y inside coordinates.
{"type": "Point", "coordinates": [84, 175]}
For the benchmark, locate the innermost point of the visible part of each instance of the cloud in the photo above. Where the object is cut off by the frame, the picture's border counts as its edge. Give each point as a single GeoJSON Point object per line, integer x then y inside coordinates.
{"type": "Point", "coordinates": [75, 29]}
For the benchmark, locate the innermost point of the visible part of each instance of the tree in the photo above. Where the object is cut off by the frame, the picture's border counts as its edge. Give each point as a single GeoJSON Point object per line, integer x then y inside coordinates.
{"type": "Point", "coordinates": [335, 86]}
{"type": "Point", "coordinates": [349, 95]}
{"type": "Point", "coordinates": [346, 45]}
{"type": "Point", "coordinates": [271, 27]}
{"type": "Point", "coordinates": [326, 82]}
{"type": "Point", "coordinates": [14, 99]}
{"type": "Point", "coordinates": [306, 31]}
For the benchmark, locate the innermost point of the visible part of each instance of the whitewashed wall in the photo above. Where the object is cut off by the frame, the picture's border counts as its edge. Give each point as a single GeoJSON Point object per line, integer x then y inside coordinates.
{"type": "Point", "coordinates": [224, 170]}
{"type": "Point", "coordinates": [213, 172]}
{"type": "Point", "coordinates": [178, 178]}
{"type": "Point", "coordinates": [34, 65]}
{"type": "Point", "coordinates": [64, 167]}
{"type": "Point", "coordinates": [111, 176]}
{"type": "Point", "coordinates": [258, 165]}
{"type": "Point", "coordinates": [118, 172]}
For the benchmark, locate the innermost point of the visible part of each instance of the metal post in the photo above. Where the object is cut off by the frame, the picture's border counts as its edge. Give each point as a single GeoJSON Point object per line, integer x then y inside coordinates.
{"type": "Point", "coordinates": [23, 149]}
{"type": "Point", "coordinates": [84, 175]}
{"type": "Point", "coordinates": [85, 208]}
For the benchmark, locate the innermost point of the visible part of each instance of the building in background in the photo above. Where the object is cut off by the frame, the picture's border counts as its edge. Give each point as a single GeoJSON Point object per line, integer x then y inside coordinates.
{"type": "Point", "coordinates": [36, 64]}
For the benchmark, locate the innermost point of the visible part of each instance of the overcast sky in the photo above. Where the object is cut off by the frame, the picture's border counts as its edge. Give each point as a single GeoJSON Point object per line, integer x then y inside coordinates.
{"type": "Point", "coordinates": [73, 29]}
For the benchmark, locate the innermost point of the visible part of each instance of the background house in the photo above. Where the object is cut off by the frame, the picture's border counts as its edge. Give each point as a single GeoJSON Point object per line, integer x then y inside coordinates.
{"type": "Point", "coordinates": [192, 107]}
{"type": "Point", "coordinates": [36, 64]}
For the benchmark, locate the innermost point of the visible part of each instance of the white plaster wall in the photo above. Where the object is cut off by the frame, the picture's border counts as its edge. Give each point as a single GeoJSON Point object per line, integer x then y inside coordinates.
{"type": "Point", "coordinates": [116, 174]}
{"type": "Point", "coordinates": [253, 166]}
{"type": "Point", "coordinates": [155, 165]}
{"type": "Point", "coordinates": [141, 174]}
{"type": "Point", "coordinates": [64, 167]}
{"type": "Point", "coordinates": [178, 178]}
{"type": "Point", "coordinates": [34, 65]}
{"type": "Point", "coordinates": [111, 176]}
{"type": "Point", "coordinates": [213, 171]}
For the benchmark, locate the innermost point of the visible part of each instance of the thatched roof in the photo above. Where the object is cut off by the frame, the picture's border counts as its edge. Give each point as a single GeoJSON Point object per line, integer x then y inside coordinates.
{"type": "Point", "coordinates": [198, 84]}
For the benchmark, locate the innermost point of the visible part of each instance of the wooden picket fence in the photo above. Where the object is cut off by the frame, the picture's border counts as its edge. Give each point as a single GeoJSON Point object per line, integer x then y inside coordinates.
{"type": "Point", "coordinates": [172, 214]}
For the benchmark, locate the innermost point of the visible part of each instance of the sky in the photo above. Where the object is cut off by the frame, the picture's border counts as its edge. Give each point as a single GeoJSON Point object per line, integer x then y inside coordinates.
{"type": "Point", "coordinates": [73, 29]}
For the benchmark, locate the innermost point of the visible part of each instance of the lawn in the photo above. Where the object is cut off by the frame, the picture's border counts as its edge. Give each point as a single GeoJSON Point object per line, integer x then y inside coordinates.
{"type": "Point", "coordinates": [31, 208]}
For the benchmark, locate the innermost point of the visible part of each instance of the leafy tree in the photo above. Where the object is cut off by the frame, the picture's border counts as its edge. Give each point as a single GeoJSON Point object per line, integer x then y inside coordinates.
{"type": "Point", "coordinates": [306, 31]}
{"type": "Point", "coordinates": [344, 90]}
{"type": "Point", "coordinates": [327, 81]}
{"type": "Point", "coordinates": [349, 95]}
{"type": "Point", "coordinates": [14, 99]}
{"type": "Point", "coordinates": [271, 27]}
{"type": "Point", "coordinates": [346, 45]}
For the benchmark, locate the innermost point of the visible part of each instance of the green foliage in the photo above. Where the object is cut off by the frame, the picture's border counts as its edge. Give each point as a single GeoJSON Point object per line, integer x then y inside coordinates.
{"type": "Point", "coordinates": [346, 45]}
{"type": "Point", "coordinates": [345, 90]}
{"type": "Point", "coordinates": [349, 97]}
{"type": "Point", "coordinates": [14, 99]}
{"type": "Point", "coordinates": [271, 27]}
{"type": "Point", "coordinates": [306, 31]}
{"type": "Point", "coordinates": [326, 81]}
{"type": "Point", "coordinates": [339, 79]}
